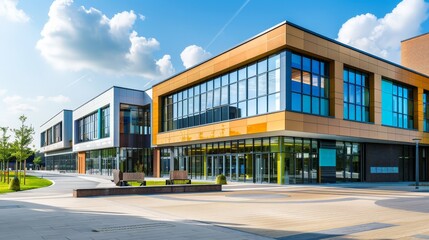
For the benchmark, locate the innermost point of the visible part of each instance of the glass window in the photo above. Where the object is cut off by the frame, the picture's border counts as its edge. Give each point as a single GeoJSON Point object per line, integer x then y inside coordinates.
{"type": "Point", "coordinates": [309, 86]}
{"type": "Point", "coordinates": [242, 89]}
{"type": "Point", "coordinates": [251, 70]}
{"type": "Point", "coordinates": [242, 109]}
{"type": "Point", "coordinates": [217, 83]}
{"type": "Point", "coordinates": [274, 81]}
{"type": "Point", "coordinates": [262, 66]}
{"type": "Point", "coordinates": [252, 110]}
{"type": "Point", "coordinates": [296, 61]}
{"type": "Point", "coordinates": [296, 80]}
{"type": "Point", "coordinates": [251, 87]}
{"type": "Point", "coordinates": [233, 77]}
{"type": "Point", "coordinates": [225, 80]}
{"type": "Point", "coordinates": [233, 93]}
{"type": "Point", "coordinates": [227, 96]}
{"type": "Point", "coordinates": [216, 97]}
{"type": "Point", "coordinates": [262, 84]}
{"type": "Point", "coordinates": [209, 99]}
{"type": "Point", "coordinates": [296, 102]}
{"type": "Point", "coordinates": [274, 62]}
{"type": "Point", "coordinates": [224, 96]}
{"type": "Point", "coordinates": [242, 74]}
{"type": "Point", "coordinates": [203, 102]}
{"type": "Point", "coordinates": [203, 87]}
{"type": "Point", "coordinates": [262, 105]}
{"type": "Point", "coordinates": [397, 105]}
{"type": "Point", "coordinates": [274, 102]}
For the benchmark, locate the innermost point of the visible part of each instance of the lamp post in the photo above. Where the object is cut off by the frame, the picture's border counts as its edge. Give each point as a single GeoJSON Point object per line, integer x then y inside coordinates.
{"type": "Point", "coordinates": [417, 140]}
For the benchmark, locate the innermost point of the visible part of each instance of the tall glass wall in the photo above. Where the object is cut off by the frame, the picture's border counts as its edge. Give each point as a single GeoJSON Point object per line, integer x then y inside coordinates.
{"type": "Point", "coordinates": [58, 136]}
{"type": "Point", "coordinates": [94, 126]}
{"type": "Point", "coordinates": [52, 135]}
{"type": "Point", "coordinates": [348, 168]}
{"type": "Point", "coordinates": [397, 104]}
{"type": "Point", "coordinates": [309, 85]}
{"type": "Point", "coordinates": [248, 91]}
{"type": "Point", "coordinates": [134, 119]}
{"type": "Point", "coordinates": [356, 95]}
{"type": "Point", "coordinates": [136, 160]}
{"type": "Point", "coordinates": [63, 162]}
{"type": "Point", "coordinates": [260, 160]}
{"type": "Point", "coordinates": [100, 162]}
{"type": "Point", "coordinates": [105, 122]}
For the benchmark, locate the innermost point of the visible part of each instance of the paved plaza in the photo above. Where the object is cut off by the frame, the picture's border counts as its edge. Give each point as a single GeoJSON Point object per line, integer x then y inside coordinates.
{"type": "Point", "coordinates": [241, 211]}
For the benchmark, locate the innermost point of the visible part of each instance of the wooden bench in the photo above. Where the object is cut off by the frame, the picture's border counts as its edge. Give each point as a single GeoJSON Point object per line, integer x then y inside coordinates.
{"type": "Point", "coordinates": [122, 178]}
{"type": "Point", "coordinates": [178, 175]}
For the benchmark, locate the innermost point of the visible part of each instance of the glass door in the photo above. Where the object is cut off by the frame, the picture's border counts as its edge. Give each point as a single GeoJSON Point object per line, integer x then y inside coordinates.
{"type": "Point", "coordinates": [219, 165]}
{"type": "Point", "coordinates": [234, 167]}
{"type": "Point", "coordinates": [209, 167]}
{"type": "Point", "coordinates": [259, 168]}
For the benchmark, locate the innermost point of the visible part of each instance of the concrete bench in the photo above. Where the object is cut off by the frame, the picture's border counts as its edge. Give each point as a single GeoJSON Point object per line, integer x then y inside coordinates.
{"type": "Point", "coordinates": [121, 178]}
{"type": "Point", "coordinates": [178, 175]}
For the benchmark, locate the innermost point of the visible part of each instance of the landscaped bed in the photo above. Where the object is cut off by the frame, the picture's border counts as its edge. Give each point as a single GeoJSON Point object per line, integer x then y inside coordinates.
{"type": "Point", "coordinates": [161, 182]}
{"type": "Point", "coordinates": [31, 182]}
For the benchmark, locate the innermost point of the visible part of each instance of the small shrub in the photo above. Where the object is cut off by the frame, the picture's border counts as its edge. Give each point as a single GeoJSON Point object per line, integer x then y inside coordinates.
{"type": "Point", "coordinates": [14, 184]}
{"type": "Point", "coordinates": [221, 179]}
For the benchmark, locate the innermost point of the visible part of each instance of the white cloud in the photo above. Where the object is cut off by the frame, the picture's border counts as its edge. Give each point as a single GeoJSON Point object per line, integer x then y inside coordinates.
{"type": "Point", "coordinates": [21, 108]}
{"type": "Point", "coordinates": [59, 99]}
{"type": "Point", "coordinates": [142, 17]}
{"type": "Point", "coordinates": [9, 10]}
{"type": "Point", "coordinates": [76, 38]}
{"type": "Point", "coordinates": [383, 36]}
{"type": "Point", "coordinates": [12, 99]}
{"type": "Point", "coordinates": [193, 55]}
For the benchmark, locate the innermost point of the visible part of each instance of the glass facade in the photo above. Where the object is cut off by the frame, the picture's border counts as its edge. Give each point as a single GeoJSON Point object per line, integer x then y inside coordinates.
{"type": "Point", "coordinates": [136, 160]}
{"type": "Point", "coordinates": [356, 95]}
{"type": "Point", "coordinates": [259, 160]}
{"type": "Point", "coordinates": [309, 85]}
{"type": "Point", "coordinates": [58, 136]}
{"type": "Point", "coordinates": [52, 135]}
{"type": "Point", "coordinates": [94, 126]}
{"type": "Point", "coordinates": [134, 119]}
{"type": "Point", "coordinates": [426, 111]}
{"type": "Point", "coordinates": [348, 166]}
{"type": "Point", "coordinates": [63, 162]}
{"type": "Point", "coordinates": [100, 162]}
{"type": "Point", "coordinates": [397, 105]}
{"type": "Point", "coordinates": [105, 122]}
{"type": "Point", "coordinates": [248, 91]}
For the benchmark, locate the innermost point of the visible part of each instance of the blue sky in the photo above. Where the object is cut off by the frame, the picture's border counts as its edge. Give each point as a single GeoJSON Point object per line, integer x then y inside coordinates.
{"type": "Point", "coordinates": [61, 60]}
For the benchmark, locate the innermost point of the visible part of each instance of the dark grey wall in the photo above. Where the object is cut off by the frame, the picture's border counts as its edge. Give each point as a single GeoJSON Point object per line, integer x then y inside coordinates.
{"type": "Point", "coordinates": [382, 155]}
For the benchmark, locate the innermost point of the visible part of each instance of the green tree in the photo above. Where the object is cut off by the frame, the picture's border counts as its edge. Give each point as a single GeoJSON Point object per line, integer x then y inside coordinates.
{"type": "Point", "coordinates": [4, 153]}
{"type": "Point", "coordinates": [20, 147]}
{"type": "Point", "coordinates": [37, 162]}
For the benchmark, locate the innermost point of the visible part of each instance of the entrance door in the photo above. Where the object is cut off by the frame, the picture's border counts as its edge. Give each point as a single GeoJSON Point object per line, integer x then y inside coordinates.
{"type": "Point", "coordinates": [219, 165]}
{"type": "Point", "coordinates": [262, 174]}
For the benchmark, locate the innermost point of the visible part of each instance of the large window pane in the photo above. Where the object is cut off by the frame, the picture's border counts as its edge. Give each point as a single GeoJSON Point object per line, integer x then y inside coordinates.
{"type": "Point", "coordinates": [262, 105]}
{"type": "Point", "coordinates": [233, 93]}
{"type": "Point", "coordinates": [242, 90]}
{"type": "Point", "coordinates": [251, 93]}
{"type": "Point", "coordinates": [306, 82]}
{"type": "Point", "coordinates": [296, 80]}
{"type": "Point", "coordinates": [251, 111]}
{"type": "Point", "coordinates": [296, 102]}
{"type": "Point", "coordinates": [242, 109]}
{"type": "Point", "coordinates": [262, 84]}
{"type": "Point", "coordinates": [274, 81]}
{"type": "Point", "coordinates": [224, 96]}
{"type": "Point", "coordinates": [274, 102]}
